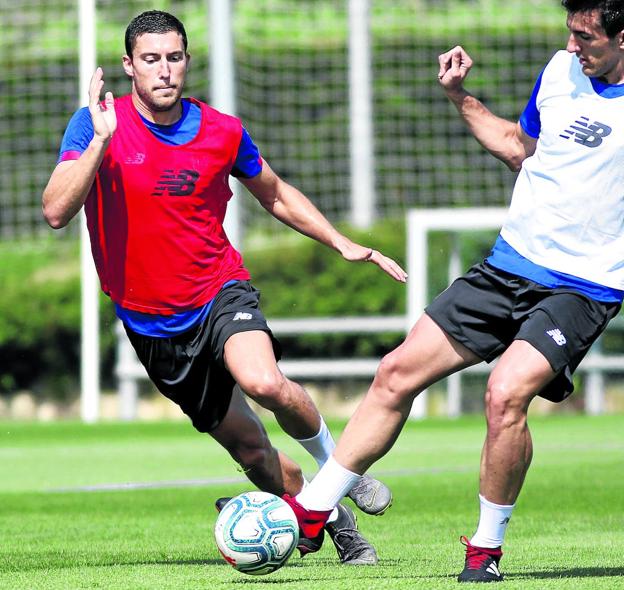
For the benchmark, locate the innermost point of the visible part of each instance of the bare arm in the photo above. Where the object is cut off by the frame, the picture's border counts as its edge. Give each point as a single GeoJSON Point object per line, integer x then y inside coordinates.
{"type": "Point", "coordinates": [294, 209]}
{"type": "Point", "coordinates": [71, 181]}
{"type": "Point", "coordinates": [504, 139]}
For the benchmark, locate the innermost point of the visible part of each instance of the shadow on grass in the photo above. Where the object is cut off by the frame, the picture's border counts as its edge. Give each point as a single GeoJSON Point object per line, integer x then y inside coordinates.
{"type": "Point", "coordinates": [576, 572]}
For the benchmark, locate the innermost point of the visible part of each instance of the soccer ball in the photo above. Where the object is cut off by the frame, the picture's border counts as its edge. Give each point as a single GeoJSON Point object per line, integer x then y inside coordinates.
{"type": "Point", "coordinates": [256, 532]}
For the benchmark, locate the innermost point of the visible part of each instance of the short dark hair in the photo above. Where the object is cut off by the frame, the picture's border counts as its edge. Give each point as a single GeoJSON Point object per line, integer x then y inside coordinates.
{"type": "Point", "coordinates": [152, 21]}
{"type": "Point", "coordinates": [611, 12]}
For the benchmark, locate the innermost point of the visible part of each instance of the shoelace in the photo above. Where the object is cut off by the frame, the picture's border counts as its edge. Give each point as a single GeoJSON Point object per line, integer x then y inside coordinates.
{"type": "Point", "coordinates": [354, 540]}
{"type": "Point", "coordinates": [477, 556]}
{"type": "Point", "coordinates": [363, 486]}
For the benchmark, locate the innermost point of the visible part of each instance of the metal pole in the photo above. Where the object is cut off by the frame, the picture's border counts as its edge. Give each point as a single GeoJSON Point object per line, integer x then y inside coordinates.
{"type": "Point", "coordinates": [595, 386]}
{"type": "Point", "coordinates": [453, 382]}
{"type": "Point", "coordinates": [223, 96]}
{"type": "Point", "coordinates": [128, 394]}
{"type": "Point", "coordinates": [90, 326]}
{"type": "Point", "coordinates": [360, 115]}
{"type": "Point", "coordinates": [416, 287]}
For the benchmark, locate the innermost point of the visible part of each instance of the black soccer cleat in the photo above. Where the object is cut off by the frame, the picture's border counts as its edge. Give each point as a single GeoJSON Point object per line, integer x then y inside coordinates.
{"type": "Point", "coordinates": [221, 502]}
{"type": "Point", "coordinates": [481, 564]}
{"type": "Point", "coordinates": [352, 547]}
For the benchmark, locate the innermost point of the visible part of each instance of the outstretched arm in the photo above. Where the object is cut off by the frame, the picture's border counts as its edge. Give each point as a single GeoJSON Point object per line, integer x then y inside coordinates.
{"type": "Point", "coordinates": [71, 180]}
{"type": "Point", "coordinates": [504, 139]}
{"type": "Point", "coordinates": [293, 208]}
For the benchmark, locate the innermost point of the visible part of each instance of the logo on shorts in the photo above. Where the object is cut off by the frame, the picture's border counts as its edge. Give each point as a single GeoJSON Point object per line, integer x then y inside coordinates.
{"type": "Point", "coordinates": [557, 336]}
{"type": "Point", "coordinates": [586, 133]}
{"type": "Point", "coordinates": [242, 315]}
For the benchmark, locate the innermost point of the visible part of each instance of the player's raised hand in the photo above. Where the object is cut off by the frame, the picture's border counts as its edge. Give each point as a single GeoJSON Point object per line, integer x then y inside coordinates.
{"type": "Point", "coordinates": [356, 253]}
{"type": "Point", "coordinates": [103, 115]}
{"type": "Point", "coordinates": [454, 67]}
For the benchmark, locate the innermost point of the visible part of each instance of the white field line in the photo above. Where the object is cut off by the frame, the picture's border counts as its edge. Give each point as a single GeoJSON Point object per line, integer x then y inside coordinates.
{"type": "Point", "coordinates": [214, 481]}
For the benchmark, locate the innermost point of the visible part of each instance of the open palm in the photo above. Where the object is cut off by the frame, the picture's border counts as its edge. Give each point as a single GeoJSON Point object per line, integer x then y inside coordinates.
{"type": "Point", "coordinates": [102, 114]}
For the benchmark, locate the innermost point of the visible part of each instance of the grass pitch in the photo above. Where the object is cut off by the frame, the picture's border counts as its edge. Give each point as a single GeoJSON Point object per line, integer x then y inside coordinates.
{"type": "Point", "coordinates": [130, 506]}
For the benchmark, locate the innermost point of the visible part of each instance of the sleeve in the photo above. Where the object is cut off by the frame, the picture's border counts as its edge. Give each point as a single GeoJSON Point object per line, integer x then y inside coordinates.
{"type": "Point", "coordinates": [77, 137]}
{"type": "Point", "coordinates": [530, 117]}
{"type": "Point", "coordinates": [248, 161]}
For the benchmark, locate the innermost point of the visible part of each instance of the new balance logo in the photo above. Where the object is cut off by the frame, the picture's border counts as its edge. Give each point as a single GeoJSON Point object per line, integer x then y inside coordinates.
{"type": "Point", "coordinates": [242, 315]}
{"type": "Point", "coordinates": [586, 133]}
{"type": "Point", "coordinates": [493, 569]}
{"type": "Point", "coordinates": [137, 158]}
{"type": "Point", "coordinates": [557, 336]}
{"type": "Point", "coordinates": [176, 184]}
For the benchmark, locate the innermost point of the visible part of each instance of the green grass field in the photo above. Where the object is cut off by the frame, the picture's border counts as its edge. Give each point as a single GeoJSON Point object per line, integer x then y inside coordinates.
{"type": "Point", "coordinates": [67, 521]}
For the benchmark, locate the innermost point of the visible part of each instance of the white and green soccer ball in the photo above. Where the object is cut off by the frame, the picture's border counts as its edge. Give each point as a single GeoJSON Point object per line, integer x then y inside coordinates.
{"type": "Point", "coordinates": [256, 532]}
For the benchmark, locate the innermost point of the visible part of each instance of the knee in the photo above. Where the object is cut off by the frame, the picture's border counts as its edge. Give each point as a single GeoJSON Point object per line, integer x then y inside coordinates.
{"type": "Point", "coordinates": [390, 386]}
{"type": "Point", "coordinates": [505, 404]}
{"type": "Point", "coordinates": [267, 389]}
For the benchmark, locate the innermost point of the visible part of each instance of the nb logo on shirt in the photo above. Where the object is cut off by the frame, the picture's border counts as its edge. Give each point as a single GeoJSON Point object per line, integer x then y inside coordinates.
{"type": "Point", "coordinates": [138, 158]}
{"type": "Point", "coordinates": [586, 133]}
{"type": "Point", "coordinates": [176, 184]}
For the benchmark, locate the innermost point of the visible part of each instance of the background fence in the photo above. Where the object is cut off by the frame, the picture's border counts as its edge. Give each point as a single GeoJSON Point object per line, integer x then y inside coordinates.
{"type": "Point", "coordinates": [292, 92]}
{"type": "Point", "coordinates": [313, 80]}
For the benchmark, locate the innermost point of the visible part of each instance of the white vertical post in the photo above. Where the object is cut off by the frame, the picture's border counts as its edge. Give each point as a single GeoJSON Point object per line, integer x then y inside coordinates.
{"type": "Point", "coordinates": [223, 96]}
{"type": "Point", "coordinates": [90, 325]}
{"type": "Point", "coordinates": [453, 382]}
{"type": "Point", "coordinates": [360, 115]}
{"type": "Point", "coordinates": [416, 287]}
{"type": "Point", "coordinates": [595, 387]}
{"type": "Point", "coordinates": [128, 390]}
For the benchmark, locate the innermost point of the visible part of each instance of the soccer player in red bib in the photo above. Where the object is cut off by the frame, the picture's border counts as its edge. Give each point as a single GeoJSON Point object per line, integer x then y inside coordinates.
{"type": "Point", "coordinates": [151, 170]}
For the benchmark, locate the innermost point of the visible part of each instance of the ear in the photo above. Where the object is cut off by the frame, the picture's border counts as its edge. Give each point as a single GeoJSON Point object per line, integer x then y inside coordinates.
{"type": "Point", "coordinates": [127, 65]}
{"type": "Point", "coordinates": [621, 39]}
{"type": "Point", "coordinates": [188, 60]}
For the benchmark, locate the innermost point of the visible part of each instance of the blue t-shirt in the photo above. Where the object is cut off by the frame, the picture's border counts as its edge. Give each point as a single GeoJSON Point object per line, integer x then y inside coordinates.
{"type": "Point", "coordinates": [248, 164]}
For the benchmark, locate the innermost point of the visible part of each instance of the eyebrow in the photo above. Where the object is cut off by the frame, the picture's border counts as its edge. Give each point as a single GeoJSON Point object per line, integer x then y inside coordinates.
{"type": "Point", "coordinates": [157, 54]}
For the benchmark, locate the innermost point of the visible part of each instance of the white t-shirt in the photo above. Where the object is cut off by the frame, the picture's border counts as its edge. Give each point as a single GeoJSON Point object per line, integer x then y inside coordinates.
{"type": "Point", "coordinates": [567, 209]}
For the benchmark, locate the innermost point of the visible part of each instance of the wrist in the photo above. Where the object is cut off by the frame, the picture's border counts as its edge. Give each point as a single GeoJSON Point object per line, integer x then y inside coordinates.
{"type": "Point", "coordinates": [99, 142]}
{"type": "Point", "coordinates": [456, 95]}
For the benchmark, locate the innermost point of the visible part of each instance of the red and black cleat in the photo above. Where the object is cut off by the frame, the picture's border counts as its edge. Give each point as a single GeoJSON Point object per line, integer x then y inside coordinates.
{"type": "Point", "coordinates": [481, 564]}
{"type": "Point", "coordinates": [311, 525]}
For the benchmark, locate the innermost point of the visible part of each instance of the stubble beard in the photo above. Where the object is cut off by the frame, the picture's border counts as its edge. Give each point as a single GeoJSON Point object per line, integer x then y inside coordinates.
{"type": "Point", "coordinates": [162, 105]}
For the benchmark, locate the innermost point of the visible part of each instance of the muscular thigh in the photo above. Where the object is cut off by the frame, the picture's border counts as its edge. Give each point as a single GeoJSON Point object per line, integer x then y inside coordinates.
{"type": "Point", "coordinates": [427, 355]}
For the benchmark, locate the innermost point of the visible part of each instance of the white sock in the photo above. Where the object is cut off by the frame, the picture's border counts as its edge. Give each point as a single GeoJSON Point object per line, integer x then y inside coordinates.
{"type": "Point", "coordinates": [320, 446]}
{"type": "Point", "coordinates": [493, 521]}
{"type": "Point", "coordinates": [334, 515]}
{"type": "Point", "coordinates": [328, 487]}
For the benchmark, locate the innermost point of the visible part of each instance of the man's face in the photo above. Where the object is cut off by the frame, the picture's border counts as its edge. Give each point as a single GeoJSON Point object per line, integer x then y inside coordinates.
{"type": "Point", "coordinates": [600, 56]}
{"type": "Point", "coordinates": [158, 66]}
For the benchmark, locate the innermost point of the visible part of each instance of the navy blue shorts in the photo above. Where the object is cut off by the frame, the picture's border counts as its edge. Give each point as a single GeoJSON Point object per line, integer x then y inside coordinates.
{"type": "Point", "coordinates": [487, 309]}
{"type": "Point", "coordinates": [189, 368]}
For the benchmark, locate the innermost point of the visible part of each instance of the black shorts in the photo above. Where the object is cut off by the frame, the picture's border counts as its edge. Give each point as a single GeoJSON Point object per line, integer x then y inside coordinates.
{"type": "Point", "coordinates": [487, 309]}
{"type": "Point", "coordinates": [189, 369]}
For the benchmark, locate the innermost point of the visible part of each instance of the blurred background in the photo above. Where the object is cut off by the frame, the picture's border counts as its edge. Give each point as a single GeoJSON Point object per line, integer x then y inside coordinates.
{"type": "Point", "coordinates": [342, 99]}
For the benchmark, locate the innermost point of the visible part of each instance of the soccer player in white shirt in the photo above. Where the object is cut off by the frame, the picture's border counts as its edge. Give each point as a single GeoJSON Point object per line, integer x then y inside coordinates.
{"type": "Point", "coordinates": [553, 281]}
